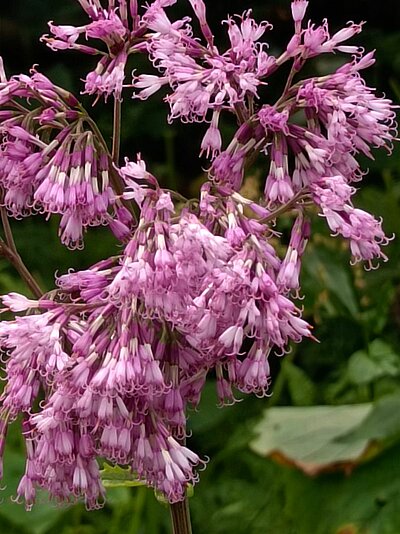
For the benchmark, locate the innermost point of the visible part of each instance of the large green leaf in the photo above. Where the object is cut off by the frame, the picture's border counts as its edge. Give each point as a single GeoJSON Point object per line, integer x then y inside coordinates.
{"type": "Point", "coordinates": [382, 424]}
{"type": "Point", "coordinates": [316, 439]}
{"type": "Point", "coordinates": [301, 388]}
{"type": "Point", "coordinates": [307, 437]}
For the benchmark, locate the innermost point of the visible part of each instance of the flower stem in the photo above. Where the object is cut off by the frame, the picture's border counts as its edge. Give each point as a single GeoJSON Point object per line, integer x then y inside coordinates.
{"type": "Point", "coordinates": [7, 231]}
{"type": "Point", "coordinates": [180, 517]}
{"type": "Point", "coordinates": [285, 207]}
{"type": "Point", "coordinates": [180, 511]}
{"type": "Point", "coordinates": [116, 142]}
{"type": "Point", "coordinates": [9, 251]}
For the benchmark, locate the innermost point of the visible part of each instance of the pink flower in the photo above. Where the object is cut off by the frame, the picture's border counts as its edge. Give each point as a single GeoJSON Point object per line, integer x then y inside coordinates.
{"type": "Point", "coordinates": [112, 358]}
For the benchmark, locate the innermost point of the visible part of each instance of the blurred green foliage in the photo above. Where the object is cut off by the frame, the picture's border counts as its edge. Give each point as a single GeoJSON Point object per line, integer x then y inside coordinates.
{"type": "Point", "coordinates": [335, 407]}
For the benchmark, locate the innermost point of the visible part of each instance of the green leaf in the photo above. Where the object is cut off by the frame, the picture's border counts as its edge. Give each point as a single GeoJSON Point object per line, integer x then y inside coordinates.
{"type": "Point", "coordinates": [322, 266]}
{"type": "Point", "coordinates": [307, 437]}
{"type": "Point", "coordinates": [301, 388]}
{"type": "Point", "coordinates": [319, 439]}
{"type": "Point", "coordinates": [382, 424]}
{"type": "Point", "coordinates": [382, 352]}
{"type": "Point", "coordinates": [114, 476]}
{"type": "Point", "coordinates": [361, 369]}
{"type": "Point", "coordinates": [338, 282]}
{"type": "Point", "coordinates": [379, 361]}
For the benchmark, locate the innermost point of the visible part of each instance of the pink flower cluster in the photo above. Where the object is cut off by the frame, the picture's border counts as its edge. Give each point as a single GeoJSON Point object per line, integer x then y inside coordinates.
{"type": "Point", "coordinates": [119, 351]}
{"type": "Point", "coordinates": [51, 159]}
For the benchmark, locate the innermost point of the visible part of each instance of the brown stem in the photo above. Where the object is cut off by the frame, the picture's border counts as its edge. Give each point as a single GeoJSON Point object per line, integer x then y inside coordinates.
{"type": "Point", "coordinates": [240, 111]}
{"type": "Point", "coordinates": [180, 517]}
{"type": "Point", "coordinates": [7, 231]}
{"type": "Point", "coordinates": [289, 81]}
{"type": "Point", "coordinates": [115, 178]}
{"type": "Point", "coordinates": [180, 512]}
{"type": "Point", "coordinates": [16, 261]}
{"type": "Point", "coordinates": [285, 207]}
{"type": "Point", "coordinates": [116, 143]}
{"type": "Point", "coordinates": [9, 250]}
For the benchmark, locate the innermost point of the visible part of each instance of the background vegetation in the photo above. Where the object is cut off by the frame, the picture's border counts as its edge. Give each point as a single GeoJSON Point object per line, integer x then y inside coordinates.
{"type": "Point", "coordinates": [321, 454]}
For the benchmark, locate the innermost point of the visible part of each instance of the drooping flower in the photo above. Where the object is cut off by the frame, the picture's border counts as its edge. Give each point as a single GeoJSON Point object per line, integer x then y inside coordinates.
{"type": "Point", "coordinates": [108, 25]}
{"type": "Point", "coordinates": [204, 79]}
{"type": "Point", "coordinates": [364, 232]}
{"type": "Point", "coordinates": [112, 389]}
{"type": "Point", "coordinates": [51, 161]}
{"type": "Point", "coordinates": [118, 351]}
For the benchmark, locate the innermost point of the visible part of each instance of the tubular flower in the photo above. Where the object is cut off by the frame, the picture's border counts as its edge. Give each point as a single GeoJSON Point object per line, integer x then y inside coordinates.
{"type": "Point", "coordinates": [50, 160]}
{"type": "Point", "coordinates": [106, 364]}
{"type": "Point", "coordinates": [110, 25]}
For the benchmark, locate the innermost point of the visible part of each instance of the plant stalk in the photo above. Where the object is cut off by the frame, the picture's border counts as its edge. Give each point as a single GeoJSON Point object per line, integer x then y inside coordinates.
{"type": "Point", "coordinates": [180, 517]}
{"type": "Point", "coordinates": [180, 511]}
{"type": "Point", "coordinates": [116, 141]}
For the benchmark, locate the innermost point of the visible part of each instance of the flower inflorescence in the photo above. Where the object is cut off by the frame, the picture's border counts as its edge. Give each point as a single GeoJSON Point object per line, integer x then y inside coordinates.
{"type": "Point", "coordinates": [107, 364]}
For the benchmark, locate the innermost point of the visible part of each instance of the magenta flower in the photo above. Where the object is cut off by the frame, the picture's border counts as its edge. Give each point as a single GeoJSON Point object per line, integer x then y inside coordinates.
{"type": "Point", "coordinates": [51, 162]}
{"type": "Point", "coordinates": [119, 351]}
{"type": "Point", "coordinates": [110, 26]}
